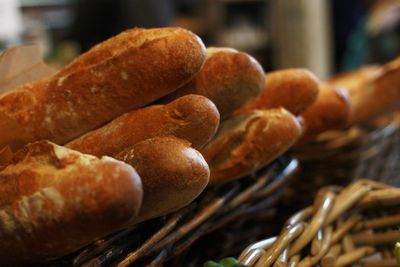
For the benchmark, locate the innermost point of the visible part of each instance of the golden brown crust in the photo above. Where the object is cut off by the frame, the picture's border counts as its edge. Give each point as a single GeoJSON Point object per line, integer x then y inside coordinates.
{"type": "Point", "coordinates": [377, 94]}
{"type": "Point", "coordinates": [292, 89]}
{"type": "Point", "coordinates": [124, 73]}
{"type": "Point", "coordinates": [55, 200]}
{"type": "Point", "coordinates": [173, 174]}
{"type": "Point", "coordinates": [330, 111]}
{"type": "Point", "coordinates": [352, 80]}
{"type": "Point", "coordinates": [248, 141]}
{"type": "Point", "coordinates": [192, 117]}
{"type": "Point", "coordinates": [229, 78]}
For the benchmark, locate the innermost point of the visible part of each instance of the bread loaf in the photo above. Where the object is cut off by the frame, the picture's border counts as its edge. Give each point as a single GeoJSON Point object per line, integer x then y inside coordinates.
{"type": "Point", "coordinates": [192, 117]}
{"type": "Point", "coordinates": [353, 80]}
{"type": "Point", "coordinates": [330, 111]}
{"type": "Point", "coordinates": [173, 174]}
{"type": "Point", "coordinates": [292, 89]}
{"type": "Point", "coordinates": [123, 73]}
{"type": "Point", "coordinates": [55, 200]}
{"type": "Point", "coordinates": [229, 78]}
{"type": "Point", "coordinates": [376, 95]}
{"type": "Point", "coordinates": [248, 141]}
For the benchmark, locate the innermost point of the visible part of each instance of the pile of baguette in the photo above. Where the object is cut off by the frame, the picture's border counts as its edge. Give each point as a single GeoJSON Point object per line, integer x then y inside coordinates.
{"type": "Point", "coordinates": [141, 124]}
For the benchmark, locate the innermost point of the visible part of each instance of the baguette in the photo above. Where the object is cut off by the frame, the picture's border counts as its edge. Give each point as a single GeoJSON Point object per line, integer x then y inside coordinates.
{"type": "Point", "coordinates": [229, 78]}
{"type": "Point", "coordinates": [178, 174]}
{"type": "Point", "coordinates": [353, 80]}
{"type": "Point", "coordinates": [249, 141]}
{"type": "Point", "coordinates": [292, 89]}
{"type": "Point", "coordinates": [192, 117]}
{"type": "Point", "coordinates": [330, 111]}
{"type": "Point", "coordinates": [121, 74]}
{"type": "Point", "coordinates": [55, 200]}
{"type": "Point", "coordinates": [378, 94]}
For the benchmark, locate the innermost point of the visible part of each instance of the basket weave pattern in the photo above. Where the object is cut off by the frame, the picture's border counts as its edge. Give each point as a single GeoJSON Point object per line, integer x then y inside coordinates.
{"type": "Point", "coordinates": [357, 224]}
{"type": "Point", "coordinates": [341, 157]}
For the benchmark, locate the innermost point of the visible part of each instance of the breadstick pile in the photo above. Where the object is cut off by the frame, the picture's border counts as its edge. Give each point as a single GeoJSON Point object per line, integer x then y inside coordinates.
{"type": "Point", "coordinates": [142, 123]}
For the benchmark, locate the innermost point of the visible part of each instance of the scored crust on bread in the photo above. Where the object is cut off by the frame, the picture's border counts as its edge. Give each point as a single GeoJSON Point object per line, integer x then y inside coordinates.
{"type": "Point", "coordinates": [172, 173]}
{"type": "Point", "coordinates": [123, 73]}
{"type": "Point", "coordinates": [192, 117]}
{"type": "Point", "coordinates": [229, 78]}
{"type": "Point", "coordinates": [249, 141]}
{"type": "Point", "coordinates": [56, 200]}
{"type": "Point", "coordinates": [292, 89]}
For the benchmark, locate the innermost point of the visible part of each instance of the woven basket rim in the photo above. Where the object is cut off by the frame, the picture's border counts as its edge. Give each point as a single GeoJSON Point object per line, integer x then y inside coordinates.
{"type": "Point", "coordinates": [326, 226]}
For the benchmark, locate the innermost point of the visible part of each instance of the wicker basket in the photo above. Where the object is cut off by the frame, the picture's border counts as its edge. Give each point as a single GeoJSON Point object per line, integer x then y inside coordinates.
{"type": "Point", "coordinates": [173, 238]}
{"type": "Point", "coordinates": [340, 157]}
{"type": "Point", "coordinates": [356, 225]}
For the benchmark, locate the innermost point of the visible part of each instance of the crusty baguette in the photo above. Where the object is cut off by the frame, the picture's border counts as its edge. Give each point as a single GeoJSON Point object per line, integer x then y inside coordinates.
{"type": "Point", "coordinates": [330, 111]}
{"type": "Point", "coordinates": [119, 75]}
{"type": "Point", "coordinates": [229, 78]}
{"type": "Point", "coordinates": [378, 94]}
{"type": "Point", "coordinates": [292, 89]}
{"type": "Point", "coordinates": [172, 173]}
{"type": "Point", "coordinates": [55, 200]}
{"type": "Point", "coordinates": [248, 141]}
{"type": "Point", "coordinates": [192, 117]}
{"type": "Point", "coordinates": [352, 80]}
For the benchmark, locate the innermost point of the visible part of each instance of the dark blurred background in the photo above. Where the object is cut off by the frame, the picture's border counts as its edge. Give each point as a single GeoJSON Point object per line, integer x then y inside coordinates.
{"type": "Point", "coordinates": [324, 36]}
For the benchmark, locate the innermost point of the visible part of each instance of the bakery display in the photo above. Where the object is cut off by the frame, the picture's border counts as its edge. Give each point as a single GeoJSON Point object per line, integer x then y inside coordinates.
{"type": "Point", "coordinates": [151, 126]}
